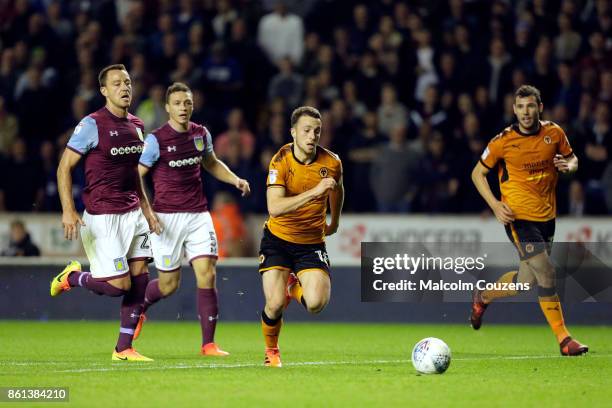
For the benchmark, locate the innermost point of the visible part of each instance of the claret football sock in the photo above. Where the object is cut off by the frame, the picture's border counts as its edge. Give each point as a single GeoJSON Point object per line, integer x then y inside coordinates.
{"type": "Point", "coordinates": [77, 278]}
{"type": "Point", "coordinates": [508, 277]}
{"type": "Point", "coordinates": [152, 294]}
{"type": "Point", "coordinates": [271, 329]}
{"type": "Point", "coordinates": [551, 307]}
{"type": "Point", "coordinates": [131, 308]}
{"type": "Point", "coordinates": [85, 280]}
{"type": "Point", "coordinates": [208, 312]}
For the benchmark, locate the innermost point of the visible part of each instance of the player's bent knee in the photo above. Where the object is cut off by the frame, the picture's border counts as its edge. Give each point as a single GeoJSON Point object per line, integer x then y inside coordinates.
{"type": "Point", "coordinates": [315, 304]}
{"type": "Point", "coordinates": [169, 287]}
{"type": "Point", "coordinates": [273, 311]}
{"type": "Point", "coordinates": [532, 284]}
{"type": "Point", "coordinates": [275, 305]}
{"type": "Point", "coordinates": [544, 271]}
{"type": "Point", "coordinates": [207, 275]}
{"type": "Point", "coordinates": [315, 308]}
{"type": "Point", "coordinates": [124, 284]}
{"type": "Point", "coordinates": [138, 267]}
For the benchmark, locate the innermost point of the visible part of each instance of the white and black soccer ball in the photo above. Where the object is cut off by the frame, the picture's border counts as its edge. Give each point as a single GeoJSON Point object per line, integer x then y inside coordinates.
{"type": "Point", "coordinates": [431, 356]}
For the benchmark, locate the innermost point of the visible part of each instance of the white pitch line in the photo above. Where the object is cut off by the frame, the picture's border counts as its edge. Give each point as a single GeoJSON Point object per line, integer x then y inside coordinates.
{"type": "Point", "coordinates": [237, 365]}
{"type": "Point", "coordinates": [42, 363]}
{"type": "Point", "coordinates": [304, 363]}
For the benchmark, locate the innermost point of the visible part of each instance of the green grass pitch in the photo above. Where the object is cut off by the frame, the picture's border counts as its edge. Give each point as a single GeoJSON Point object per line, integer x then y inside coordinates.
{"type": "Point", "coordinates": [324, 364]}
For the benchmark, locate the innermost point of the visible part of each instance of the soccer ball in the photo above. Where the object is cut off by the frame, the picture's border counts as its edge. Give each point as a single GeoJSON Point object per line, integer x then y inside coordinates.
{"type": "Point", "coordinates": [431, 356]}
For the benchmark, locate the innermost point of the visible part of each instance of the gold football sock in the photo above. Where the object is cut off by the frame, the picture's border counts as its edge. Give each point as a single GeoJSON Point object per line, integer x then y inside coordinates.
{"type": "Point", "coordinates": [296, 292]}
{"type": "Point", "coordinates": [551, 307]}
{"type": "Point", "coordinates": [489, 295]}
{"type": "Point", "coordinates": [271, 329]}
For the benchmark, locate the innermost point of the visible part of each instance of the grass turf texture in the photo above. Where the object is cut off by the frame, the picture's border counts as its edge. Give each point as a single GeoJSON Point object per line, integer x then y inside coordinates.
{"type": "Point", "coordinates": [324, 365]}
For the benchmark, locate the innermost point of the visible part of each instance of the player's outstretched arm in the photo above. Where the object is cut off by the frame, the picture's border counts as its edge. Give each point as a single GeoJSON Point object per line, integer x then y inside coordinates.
{"type": "Point", "coordinates": [279, 203]}
{"type": "Point", "coordinates": [145, 205]}
{"type": "Point", "coordinates": [221, 172]}
{"type": "Point", "coordinates": [70, 217]}
{"type": "Point", "coordinates": [502, 212]}
{"type": "Point", "coordinates": [336, 201]}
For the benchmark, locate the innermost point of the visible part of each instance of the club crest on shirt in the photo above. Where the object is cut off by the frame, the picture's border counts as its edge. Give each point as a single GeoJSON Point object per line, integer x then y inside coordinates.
{"type": "Point", "coordinates": [323, 172]}
{"type": "Point", "coordinates": [547, 139]}
{"type": "Point", "coordinates": [199, 143]}
{"type": "Point", "coordinates": [272, 176]}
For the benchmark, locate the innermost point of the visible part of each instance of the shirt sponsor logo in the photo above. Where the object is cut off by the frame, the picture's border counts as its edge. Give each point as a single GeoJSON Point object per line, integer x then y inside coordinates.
{"type": "Point", "coordinates": [185, 162]}
{"type": "Point", "coordinates": [126, 150]}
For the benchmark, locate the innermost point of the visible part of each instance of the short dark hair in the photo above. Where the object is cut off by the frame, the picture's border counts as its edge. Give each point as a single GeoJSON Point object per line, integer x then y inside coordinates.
{"type": "Point", "coordinates": [105, 70]}
{"type": "Point", "coordinates": [304, 111]}
{"type": "Point", "coordinates": [176, 87]}
{"type": "Point", "coordinates": [528, 90]}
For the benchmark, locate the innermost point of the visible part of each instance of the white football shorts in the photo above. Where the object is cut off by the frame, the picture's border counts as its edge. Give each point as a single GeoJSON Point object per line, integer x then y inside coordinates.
{"type": "Point", "coordinates": [111, 240]}
{"type": "Point", "coordinates": [184, 234]}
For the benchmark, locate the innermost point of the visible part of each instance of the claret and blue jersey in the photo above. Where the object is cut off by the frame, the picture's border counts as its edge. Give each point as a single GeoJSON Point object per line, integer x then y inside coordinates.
{"type": "Point", "coordinates": [111, 146]}
{"type": "Point", "coordinates": [175, 160]}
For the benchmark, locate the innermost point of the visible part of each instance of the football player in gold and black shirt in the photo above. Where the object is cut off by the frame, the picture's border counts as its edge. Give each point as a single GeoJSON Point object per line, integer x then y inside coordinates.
{"type": "Point", "coordinates": [528, 156]}
{"type": "Point", "coordinates": [303, 179]}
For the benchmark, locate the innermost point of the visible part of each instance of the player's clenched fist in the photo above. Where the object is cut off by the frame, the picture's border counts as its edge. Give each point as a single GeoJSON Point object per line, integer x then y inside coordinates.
{"type": "Point", "coordinates": [324, 185]}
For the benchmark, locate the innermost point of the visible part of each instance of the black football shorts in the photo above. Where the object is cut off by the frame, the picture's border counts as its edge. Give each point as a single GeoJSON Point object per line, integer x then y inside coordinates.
{"type": "Point", "coordinates": [531, 237]}
{"type": "Point", "coordinates": [276, 253]}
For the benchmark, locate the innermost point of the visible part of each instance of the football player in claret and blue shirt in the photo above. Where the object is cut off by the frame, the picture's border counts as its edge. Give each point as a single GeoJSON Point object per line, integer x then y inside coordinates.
{"type": "Point", "coordinates": [114, 226]}
{"type": "Point", "coordinates": [175, 154]}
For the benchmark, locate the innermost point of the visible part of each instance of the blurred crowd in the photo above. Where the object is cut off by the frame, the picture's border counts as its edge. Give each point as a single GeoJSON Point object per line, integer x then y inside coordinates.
{"type": "Point", "coordinates": [410, 91]}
